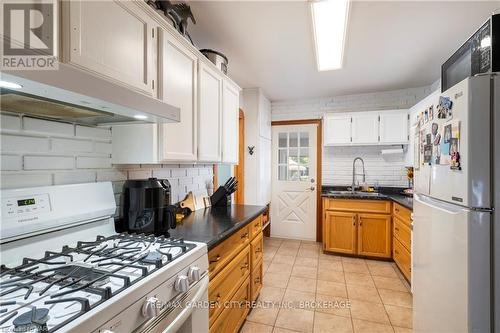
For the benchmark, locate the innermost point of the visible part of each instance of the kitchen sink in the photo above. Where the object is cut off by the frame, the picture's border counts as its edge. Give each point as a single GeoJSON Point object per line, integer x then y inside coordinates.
{"type": "Point", "coordinates": [355, 193]}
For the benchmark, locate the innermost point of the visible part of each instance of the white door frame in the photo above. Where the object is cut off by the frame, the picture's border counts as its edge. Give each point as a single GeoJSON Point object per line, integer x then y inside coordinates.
{"type": "Point", "coordinates": [319, 154]}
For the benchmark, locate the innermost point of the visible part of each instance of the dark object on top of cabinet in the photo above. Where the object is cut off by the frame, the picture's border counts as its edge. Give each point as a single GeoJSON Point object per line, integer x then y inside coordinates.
{"type": "Point", "coordinates": [178, 13]}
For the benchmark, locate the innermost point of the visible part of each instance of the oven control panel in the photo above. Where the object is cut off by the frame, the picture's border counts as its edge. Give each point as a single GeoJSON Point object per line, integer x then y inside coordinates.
{"type": "Point", "coordinates": [24, 206]}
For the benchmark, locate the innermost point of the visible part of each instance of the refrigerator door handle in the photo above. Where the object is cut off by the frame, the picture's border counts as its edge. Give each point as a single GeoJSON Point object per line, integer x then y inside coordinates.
{"type": "Point", "coordinates": [443, 206]}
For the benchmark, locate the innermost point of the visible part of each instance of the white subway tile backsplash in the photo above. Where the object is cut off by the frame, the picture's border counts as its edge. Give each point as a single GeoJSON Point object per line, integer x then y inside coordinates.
{"type": "Point", "coordinates": [103, 147]}
{"type": "Point", "coordinates": [162, 173]}
{"type": "Point", "coordinates": [48, 162]}
{"type": "Point", "coordinates": [25, 179]}
{"type": "Point", "coordinates": [74, 177]}
{"type": "Point", "coordinates": [11, 162]}
{"type": "Point", "coordinates": [191, 172]}
{"type": "Point", "coordinates": [24, 143]}
{"type": "Point", "coordinates": [93, 143]}
{"type": "Point", "coordinates": [186, 180]}
{"type": "Point", "coordinates": [337, 166]}
{"type": "Point", "coordinates": [178, 172]}
{"type": "Point", "coordinates": [70, 145]}
{"type": "Point", "coordinates": [48, 127]}
{"type": "Point", "coordinates": [86, 162]}
{"type": "Point", "coordinates": [139, 174]}
{"type": "Point", "coordinates": [8, 122]}
{"type": "Point", "coordinates": [111, 175]}
{"type": "Point", "coordinates": [97, 133]}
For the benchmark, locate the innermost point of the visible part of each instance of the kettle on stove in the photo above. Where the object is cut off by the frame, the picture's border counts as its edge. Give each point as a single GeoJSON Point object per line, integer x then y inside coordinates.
{"type": "Point", "coordinates": [147, 207]}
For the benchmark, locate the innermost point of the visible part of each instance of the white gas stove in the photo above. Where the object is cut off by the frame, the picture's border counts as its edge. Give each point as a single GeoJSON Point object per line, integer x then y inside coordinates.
{"type": "Point", "coordinates": [65, 269]}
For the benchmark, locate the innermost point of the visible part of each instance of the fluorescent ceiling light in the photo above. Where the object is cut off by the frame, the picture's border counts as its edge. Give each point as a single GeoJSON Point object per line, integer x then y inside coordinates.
{"type": "Point", "coordinates": [140, 117]}
{"type": "Point", "coordinates": [329, 18]}
{"type": "Point", "coordinates": [10, 85]}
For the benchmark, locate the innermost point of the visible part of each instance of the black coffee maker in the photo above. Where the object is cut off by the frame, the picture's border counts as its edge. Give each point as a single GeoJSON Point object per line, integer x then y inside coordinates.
{"type": "Point", "coordinates": [147, 207]}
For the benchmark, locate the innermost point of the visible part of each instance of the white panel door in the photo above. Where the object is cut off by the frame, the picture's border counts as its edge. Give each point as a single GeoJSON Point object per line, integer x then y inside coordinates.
{"type": "Point", "coordinates": [179, 88]}
{"type": "Point", "coordinates": [365, 128]}
{"type": "Point", "coordinates": [337, 130]}
{"type": "Point", "coordinates": [209, 114]}
{"type": "Point", "coordinates": [114, 39]}
{"type": "Point", "coordinates": [394, 127]}
{"type": "Point", "coordinates": [230, 122]}
{"type": "Point", "coordinates": [293, 202]}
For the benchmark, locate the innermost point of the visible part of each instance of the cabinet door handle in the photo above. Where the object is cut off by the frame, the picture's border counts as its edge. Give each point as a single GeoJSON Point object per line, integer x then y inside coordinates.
{"type": "Point", "coordinates": [258, 250]}
{"type": "Point", "coordinates": [245, 235]}
{"type": "Point", "coordinates": [215, 260]}
{"type": "Point", "coordinates": [360, 223]}
{"type": "Point", "coordinates": [245, 266]}
{"type": "Point", "coordinates": [397, 229]}
{"type": "Point", "coordinates": [353, 220]}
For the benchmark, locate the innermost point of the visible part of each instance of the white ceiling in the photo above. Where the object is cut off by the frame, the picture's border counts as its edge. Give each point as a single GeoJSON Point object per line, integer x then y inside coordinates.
{"type": "Point", "coordinates": [390, 44]}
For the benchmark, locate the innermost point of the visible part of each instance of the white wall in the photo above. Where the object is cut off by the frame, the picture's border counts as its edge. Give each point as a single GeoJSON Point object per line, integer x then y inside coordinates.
{"type": "Point", "coordinates": [337, 161]}
{"type": "Point", "coordinates": [38, 152]}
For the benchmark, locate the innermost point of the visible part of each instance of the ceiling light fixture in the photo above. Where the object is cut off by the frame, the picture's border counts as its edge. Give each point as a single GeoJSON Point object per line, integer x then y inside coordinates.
{"type": "Point", "coordinates": [140, 116]}
{"type": "Point", "coordinates": [10, 85]}
{"type": "Point", "coordinates": [329, 19]}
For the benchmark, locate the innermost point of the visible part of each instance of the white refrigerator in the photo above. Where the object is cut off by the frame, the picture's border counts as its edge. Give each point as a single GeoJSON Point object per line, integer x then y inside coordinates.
{"type": "Point", "coordinates": [457, 186]}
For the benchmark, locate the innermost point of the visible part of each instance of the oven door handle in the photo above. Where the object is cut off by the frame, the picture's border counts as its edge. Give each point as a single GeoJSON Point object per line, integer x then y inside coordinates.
{"type": "Point", "coordinates": [188, 310]}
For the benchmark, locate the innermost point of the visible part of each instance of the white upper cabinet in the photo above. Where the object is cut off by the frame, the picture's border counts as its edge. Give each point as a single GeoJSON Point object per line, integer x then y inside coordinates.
{"type": "Point", "coordinates": [230, 123]}
{"type": "Point", "coordinates": [178, 87]}
{"type": "Point", "coordinates": [209, 114]}
{"type": "Point", "coordinates": [365, 128]}
{"type": "Point", "coordinates": [394, 127]}
{"type": "Point", "coordinates": [337, 129]}
{"type": "Point", "coordinates": [113, 39]}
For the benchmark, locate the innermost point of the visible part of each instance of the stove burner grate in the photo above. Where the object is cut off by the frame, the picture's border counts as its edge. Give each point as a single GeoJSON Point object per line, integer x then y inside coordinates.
{"type": "Point", "coordinates": [34, 320]}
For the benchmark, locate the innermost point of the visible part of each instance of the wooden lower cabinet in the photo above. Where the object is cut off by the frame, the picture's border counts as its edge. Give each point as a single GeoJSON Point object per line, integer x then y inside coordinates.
{"type": "Point", "coordinates": [374, 235]}
{"type": "Point", "coordinates": [402, 239]}
{"type": "Point", "coordinates": [256, 280]}
{"type": "Point", "coordinates": [225, 284]}
{"type": "Point", "coordinates": [360, 227]}
{"type": "Point", "coordinates": [340, 232]}
{"type": "Point", "coordinates": [233, 316]}
{"type": "Point", "coordinates": [235, 273]}
{"type": "Point", "coordinates": [402, 257]}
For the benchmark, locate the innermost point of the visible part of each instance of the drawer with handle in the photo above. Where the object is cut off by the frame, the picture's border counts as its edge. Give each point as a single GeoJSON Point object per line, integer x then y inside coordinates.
{"type": "Point", "coordinates": [225, 284]}
{"type": "Point", "coordinates": [256, 247]}
{"type": "Point", "coordinates": [220, 256]}
{"type": "Point", "coordinates": [402, 258]}
{"type": "Point", "coordinates": [234, 315]}
{"type": "Point", "coordinates": [404, 214]}
{"type": "Point", "coordinates": [256, 280]}
{"type": "Point", "coordinates": [402, 232]}
{"type": "Point", "coordinates": [255, 226]}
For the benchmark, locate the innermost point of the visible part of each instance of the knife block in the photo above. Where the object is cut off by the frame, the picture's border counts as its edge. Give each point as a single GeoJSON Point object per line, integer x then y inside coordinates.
{"type": "Point", "coordinates": [221, 198]}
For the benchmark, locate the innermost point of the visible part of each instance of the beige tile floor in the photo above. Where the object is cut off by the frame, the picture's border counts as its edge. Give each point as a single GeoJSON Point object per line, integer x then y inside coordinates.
{"type": "Point", "coordinates": [358, 295]}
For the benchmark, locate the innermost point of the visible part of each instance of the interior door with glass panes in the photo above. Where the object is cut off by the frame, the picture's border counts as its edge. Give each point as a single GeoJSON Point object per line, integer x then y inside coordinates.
{"type": "Point", "coordinates": [293, 203]}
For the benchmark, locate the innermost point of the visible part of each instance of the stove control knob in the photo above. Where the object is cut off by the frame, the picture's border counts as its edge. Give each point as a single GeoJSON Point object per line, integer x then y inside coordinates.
{"type": "Point", "coordinates": [181, 284]}
{"type": "Point", "coordinates": [150, 307]}
{"type": "Point", "coordinates": [194, 274]}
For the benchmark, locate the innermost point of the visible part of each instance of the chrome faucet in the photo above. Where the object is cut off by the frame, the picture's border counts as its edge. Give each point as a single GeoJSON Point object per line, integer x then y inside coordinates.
{"type": "Point", "coordinates": [354, 174]}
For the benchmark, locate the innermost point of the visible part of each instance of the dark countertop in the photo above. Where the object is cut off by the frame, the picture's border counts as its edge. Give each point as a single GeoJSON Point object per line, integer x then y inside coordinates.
{"type": "Point", "coordinates": [213, 225]}
{"type": "Point", "coordinates": [385, 193]}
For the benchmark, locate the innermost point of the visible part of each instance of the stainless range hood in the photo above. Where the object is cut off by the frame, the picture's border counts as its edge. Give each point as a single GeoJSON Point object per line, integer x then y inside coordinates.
{"type": "Point", "coordinates": [70, 94]}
